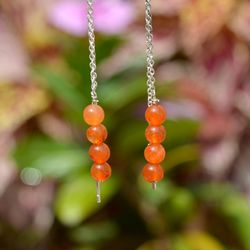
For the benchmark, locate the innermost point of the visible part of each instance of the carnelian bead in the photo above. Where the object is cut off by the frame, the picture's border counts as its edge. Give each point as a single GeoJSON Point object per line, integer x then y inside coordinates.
{"type": "Point", "coordinates": [155, 115]}
{"type": "Point", "coordinates": [101, 172]}
{"type": "Point", "coordinates": [99, 153]}
{"type": "Point", "coordinates": [153, 173]}
{"type": "Point", "coordinates": [97, 134]}
{"type": "Point", "coordinates": [155, 134]}
{"type": "Point", "coordinates": [154, 153]}
{"type": "Point", "coordinates": [93, 114]}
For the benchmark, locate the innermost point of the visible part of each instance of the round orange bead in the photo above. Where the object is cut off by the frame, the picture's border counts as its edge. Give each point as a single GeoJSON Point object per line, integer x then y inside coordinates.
{"type": "Point", "coordinates": [101, 172]}
{"type": "Point", "coordinates": [99, 153]}
{"type": "Point", "coordinates": [93, 114]}
{"type": "Point", "coordinates": [97, 134]}
{"type": "Point", "coordinates": [155, 134]}
{"type": "Point", "coordinates": [154, 153]}
{"type": "Point", "coordinates": [153, 173]}
{"type": "Point", "coordinates": [155, 115]}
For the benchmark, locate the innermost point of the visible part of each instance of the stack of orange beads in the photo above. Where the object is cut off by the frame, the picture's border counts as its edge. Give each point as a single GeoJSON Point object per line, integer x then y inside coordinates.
{"type": "Point", "coordinates": [154, 152]}
{"type": "Point", "coordinates": [99, 152]}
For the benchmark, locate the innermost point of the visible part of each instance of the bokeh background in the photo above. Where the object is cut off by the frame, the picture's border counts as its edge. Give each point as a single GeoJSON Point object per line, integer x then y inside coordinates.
{"type": "Point", "coordinates": [47, 197]}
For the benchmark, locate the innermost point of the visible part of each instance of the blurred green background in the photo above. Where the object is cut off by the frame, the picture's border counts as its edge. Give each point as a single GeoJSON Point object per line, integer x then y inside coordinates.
{"type": "Point", "coordinates": [47, 197]}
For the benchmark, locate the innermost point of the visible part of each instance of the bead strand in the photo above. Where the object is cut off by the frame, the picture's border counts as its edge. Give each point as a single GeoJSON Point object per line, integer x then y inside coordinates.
{"type": "Point", "coordinates": [154, 153]}
{"type": "Point", "coordinates": [99, 152]}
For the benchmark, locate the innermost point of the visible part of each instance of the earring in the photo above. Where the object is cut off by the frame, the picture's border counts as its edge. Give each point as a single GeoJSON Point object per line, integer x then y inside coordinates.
{"type": "Point", "coordinates": [155, 114]}
{"type": "Point", "coordinates": [93, 115]}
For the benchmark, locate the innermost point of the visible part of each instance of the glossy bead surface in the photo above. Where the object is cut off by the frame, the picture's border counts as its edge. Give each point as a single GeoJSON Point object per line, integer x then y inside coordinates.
{"type": "Point", "coordinates": [99, 153]}
{"type": "Point", "coordinates": [93, 114]}
{"type": "Point", "coordinates": [97, 134]}
{"type": "Point", "coordinates": [155, 134]}
{"type": "Point", "coordinates": [155, 115]}
{"type": "Point", "coordinates": [101, 172]}
{"type": "Point", "coordinates": [154, 153]}
{"type": "Point", "coordinates": [153, 173]}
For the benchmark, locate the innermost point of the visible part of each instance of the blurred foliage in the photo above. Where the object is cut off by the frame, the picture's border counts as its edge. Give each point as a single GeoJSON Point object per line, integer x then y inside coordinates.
{"type": "Point", "coordinates": [202, 69]}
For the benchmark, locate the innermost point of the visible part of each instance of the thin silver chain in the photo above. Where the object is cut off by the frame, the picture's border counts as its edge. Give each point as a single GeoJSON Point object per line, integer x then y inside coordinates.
{"type": "Point", "coordinates": [152, 99]}
{"type": "Point", "coordinates": [92, 53]}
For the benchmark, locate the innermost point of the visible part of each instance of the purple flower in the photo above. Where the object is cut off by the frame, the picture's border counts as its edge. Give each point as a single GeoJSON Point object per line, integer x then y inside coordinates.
{"type": "Point", "coordinates": [110, 17]}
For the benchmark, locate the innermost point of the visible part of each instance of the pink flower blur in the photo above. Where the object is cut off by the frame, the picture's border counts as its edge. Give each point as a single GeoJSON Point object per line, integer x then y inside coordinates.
{"type": "Point", "coordinates": [110, 17]}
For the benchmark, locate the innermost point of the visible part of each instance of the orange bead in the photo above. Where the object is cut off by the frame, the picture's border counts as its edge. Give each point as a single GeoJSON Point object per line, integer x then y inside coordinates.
{"type": "Point", "coordinates": [93, 114]}
{"type": "Point", "coordinates": [101, 172]}
{"type": "Point", "coordinates": [155, 115]}
{"type": "Point", "coordinates": [97, 134]}
{"type": "Point", "coordinates": [154, 153]}
{"type": "Point", "coordinates": [99, 153]}
{"type": "Point", "coordinates": [155, 134]}
{"type": "Point", "coordinates": [153, 173]}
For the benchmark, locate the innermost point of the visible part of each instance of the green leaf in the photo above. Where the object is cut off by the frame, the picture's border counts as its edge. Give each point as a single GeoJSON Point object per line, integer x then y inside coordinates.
{"type": "Point", "coordinates": [76, 53]}
{"type": "Point", "coordinates": [178, 243]}
{"type": "Point", "coordinates": [194, 240]}
{"type": "Point", "coordinates": [180, 206]}
{"type": "Point", "coordinates": [229, 204]}
{"type": "Point", "coordinates": [94, 232]}
{"type": "Point", "coordinates": [202, 241]}
{"type": "Point", "coordinates": [117, 94]}
{"type": "Point", "coordinates": [132, 138]}
{"type": "Point", "coordinates": [181, 132]}
{"type": "Point", "coordinates": [158, 196]}
{"type": "Point", "coordinates": [176, 204]}
{"type": "Point", "coordinates": [181, 154]}
{"type": "Point", "coordinates": [61, 86]}
{"type": "Point", "coordinates": [52, 158]}
{"type": "Point", "coordinates": [76, 198]}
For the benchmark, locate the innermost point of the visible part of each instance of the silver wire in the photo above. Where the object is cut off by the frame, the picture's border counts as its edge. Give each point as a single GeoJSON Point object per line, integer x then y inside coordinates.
{"type": "Point", "coordinates": [98, 192]}
{"type": "Point", "coordinates": [152, 99]}
{"type": "Point", "coordinates": [92, 52]}
{"type": "Point", "coordinates": [154, 185]}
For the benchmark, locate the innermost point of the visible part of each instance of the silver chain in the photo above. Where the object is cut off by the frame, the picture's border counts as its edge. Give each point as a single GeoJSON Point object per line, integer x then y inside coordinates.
{"type": "Point", "coordinates": [150, 58]}
{"type": "Point", "coordinates": [92, 53]}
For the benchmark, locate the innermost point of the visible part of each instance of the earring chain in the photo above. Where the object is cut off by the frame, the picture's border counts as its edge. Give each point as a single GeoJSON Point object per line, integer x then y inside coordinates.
{"type": "Point", "coordinates": [92, 52]}
{"type": "Point", "coordinates": [152, 99]}
{"type": "Point", "coordinates": [149, 51]}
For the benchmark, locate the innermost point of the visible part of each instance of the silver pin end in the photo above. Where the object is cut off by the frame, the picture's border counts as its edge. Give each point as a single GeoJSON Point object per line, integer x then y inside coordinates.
{"type": "Point", "coordinates": [154, 185]}
{"type": "Point", "coordinates": [98, 192]}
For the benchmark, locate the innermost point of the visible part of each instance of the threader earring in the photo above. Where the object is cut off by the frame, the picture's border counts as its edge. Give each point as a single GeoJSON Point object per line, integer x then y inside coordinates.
{"type": "Point", "coordinates": [93, 115]}
{"type": "Point", "coordinates": [155, 113]}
